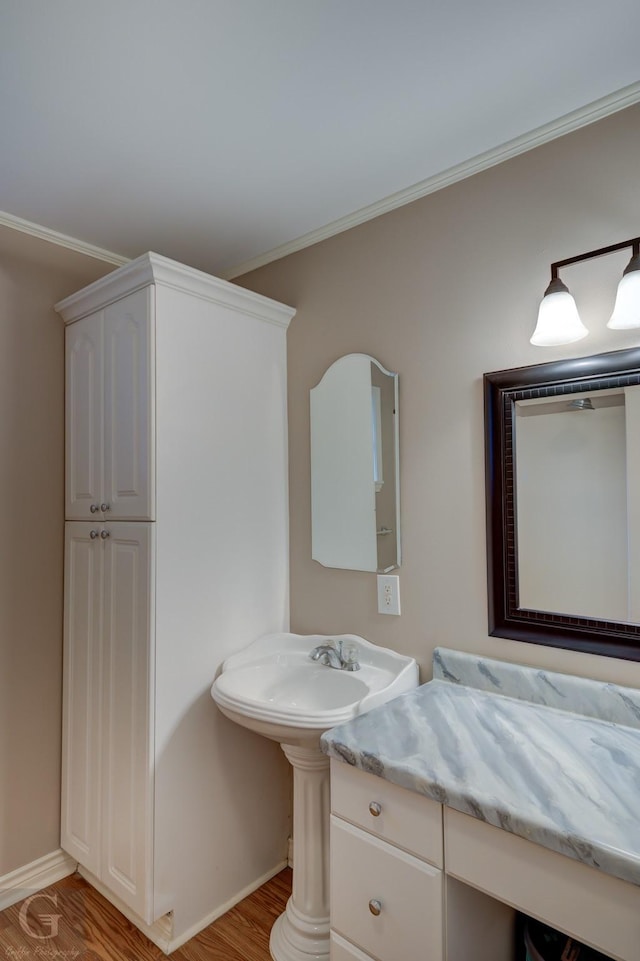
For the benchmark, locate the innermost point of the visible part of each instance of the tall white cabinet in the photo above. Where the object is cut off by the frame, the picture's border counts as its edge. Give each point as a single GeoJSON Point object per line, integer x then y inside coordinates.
{"type": "Point", "coordinates": [176, 555]}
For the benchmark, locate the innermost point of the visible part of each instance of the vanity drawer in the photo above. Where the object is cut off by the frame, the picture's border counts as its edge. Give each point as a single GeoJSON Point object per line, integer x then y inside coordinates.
{"type": "Point", "coordinates": [341, 950]}
{"type": "Point", "coordinates": [364, 870]}
{"type": "Point", "coordinates": [405, 818]}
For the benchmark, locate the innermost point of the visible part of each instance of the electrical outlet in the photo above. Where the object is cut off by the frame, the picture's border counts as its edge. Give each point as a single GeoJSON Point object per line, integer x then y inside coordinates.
{"type": "Point", "coordinates": [388, 594]}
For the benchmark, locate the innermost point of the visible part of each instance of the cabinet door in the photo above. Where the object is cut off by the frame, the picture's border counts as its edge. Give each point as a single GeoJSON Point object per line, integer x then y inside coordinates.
{"type": "Point", "coordinates": [84, 417]}
{"type": "Point", "coordinates": [80, 815]}
{"type": "Point", "coordinates": [128, 417]}
{"type": "Point", "coordinates": [127, 764]}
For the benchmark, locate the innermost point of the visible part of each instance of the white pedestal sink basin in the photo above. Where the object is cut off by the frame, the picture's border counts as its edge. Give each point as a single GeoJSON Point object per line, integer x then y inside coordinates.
{"type": "Point", "coordinates": [274, 688]}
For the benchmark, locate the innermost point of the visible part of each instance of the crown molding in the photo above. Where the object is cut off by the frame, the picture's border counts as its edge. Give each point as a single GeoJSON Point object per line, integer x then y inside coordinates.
{"type": "Point", "coordinates": [597, 110]}
{"type": "Point", "coordinates": [154, 269]}
{"type": "Point", "coordinates": [61, 240]}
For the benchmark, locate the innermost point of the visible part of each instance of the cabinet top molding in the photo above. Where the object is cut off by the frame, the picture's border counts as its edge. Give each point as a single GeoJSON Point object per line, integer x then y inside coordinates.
{"type": "Point", "coordinates": [152, 268]}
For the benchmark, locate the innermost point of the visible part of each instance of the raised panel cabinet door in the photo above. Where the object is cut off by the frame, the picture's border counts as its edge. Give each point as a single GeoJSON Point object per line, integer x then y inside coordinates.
{"type": "Point", "coordinates": [82, 685]}
{"type": "Point", "coordinates": [129, 410]}
{"type": "Point", "coordinates": [84, 417]}
{"type": "Point", "coordinates": [127, 713]}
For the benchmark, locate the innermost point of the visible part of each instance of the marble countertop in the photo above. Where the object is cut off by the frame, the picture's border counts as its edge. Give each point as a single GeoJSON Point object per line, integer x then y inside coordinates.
{"type": "Point", "coordinates": [549, 757]}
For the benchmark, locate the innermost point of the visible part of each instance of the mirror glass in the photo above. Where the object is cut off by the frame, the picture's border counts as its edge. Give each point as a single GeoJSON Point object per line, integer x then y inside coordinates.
{"type": "Point", "coordinates": [571, 504]}
{"type": "Point", "coordinates": [355, 490]}
{"type": "Point", "coordinates": [563, 503]}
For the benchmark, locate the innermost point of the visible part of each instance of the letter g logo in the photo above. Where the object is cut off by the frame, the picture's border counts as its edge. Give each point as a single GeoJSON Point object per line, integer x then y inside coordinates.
{"type": "Point", "coordinates": [50, 920]}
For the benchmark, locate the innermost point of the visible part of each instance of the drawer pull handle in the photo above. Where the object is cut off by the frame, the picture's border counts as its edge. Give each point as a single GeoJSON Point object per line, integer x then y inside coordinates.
{"type": "Point", "coordinates": [375, 907]}
{"type": "Point", "coordinates": [94, 508]}
{"type": "Point", "coordinates": [375, 809]}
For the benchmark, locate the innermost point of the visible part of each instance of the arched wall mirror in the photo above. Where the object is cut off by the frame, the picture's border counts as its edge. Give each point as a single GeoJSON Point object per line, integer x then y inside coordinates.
{"type": "Point", "coordinates": [562, 445]}
{"type": "Point", "coordinates": [355, 488]}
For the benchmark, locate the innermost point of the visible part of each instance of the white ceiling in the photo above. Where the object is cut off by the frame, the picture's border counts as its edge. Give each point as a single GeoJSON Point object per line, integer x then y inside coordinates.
{"type": "Point", "coordinates": [214, 131]}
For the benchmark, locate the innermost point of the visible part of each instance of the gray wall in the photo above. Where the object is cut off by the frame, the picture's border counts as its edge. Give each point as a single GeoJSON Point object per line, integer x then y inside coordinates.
{"type": "Point", "coordinates": [33, 276]}
{"type": "Point", "coordinates": [441, 291]}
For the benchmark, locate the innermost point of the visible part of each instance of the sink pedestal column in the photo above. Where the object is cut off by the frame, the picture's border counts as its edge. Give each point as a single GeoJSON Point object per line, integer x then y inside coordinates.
{"type": "Point", "coordinates": [302, 932]}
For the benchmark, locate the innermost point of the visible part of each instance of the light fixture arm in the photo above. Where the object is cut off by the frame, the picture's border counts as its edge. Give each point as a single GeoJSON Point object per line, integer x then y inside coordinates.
{"type": "Point", "coordinates": [591, 254]}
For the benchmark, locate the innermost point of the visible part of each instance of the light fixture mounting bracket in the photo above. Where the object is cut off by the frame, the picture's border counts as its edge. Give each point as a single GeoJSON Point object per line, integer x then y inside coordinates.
{"type": "Point", "coordinates": [634, 243]}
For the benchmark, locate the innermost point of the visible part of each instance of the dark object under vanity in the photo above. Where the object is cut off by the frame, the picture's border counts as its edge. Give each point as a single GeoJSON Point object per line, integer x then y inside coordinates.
{"type": "Point", "coordinates": [539, 942]}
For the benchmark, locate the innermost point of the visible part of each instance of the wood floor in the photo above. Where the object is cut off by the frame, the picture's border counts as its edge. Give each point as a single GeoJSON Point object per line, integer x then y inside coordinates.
{"type": "Point", "coordinates": [91, 929]}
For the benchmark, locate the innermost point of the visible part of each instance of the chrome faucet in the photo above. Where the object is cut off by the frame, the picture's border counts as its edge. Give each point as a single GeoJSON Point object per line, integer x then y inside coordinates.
{"type": "Point", "coordinates": [337, 654]}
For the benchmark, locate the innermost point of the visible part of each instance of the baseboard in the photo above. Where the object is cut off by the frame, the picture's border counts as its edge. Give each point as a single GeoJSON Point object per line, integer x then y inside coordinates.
{"type": "Point", "coordinates": [223, 908]}
{"type": "Point", "coordinates": [159, 932]}
{"type": "Point", "coordinates": [34, 877]}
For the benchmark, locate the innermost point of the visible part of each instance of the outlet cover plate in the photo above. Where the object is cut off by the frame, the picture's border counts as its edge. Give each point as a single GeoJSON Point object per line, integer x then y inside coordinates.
{"type": "Point", "coordinates": [388, 594]}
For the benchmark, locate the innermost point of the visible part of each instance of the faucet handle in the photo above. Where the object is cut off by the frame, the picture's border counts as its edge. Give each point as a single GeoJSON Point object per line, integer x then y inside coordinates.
{"type": "Point", "coordinates": [349, 655]}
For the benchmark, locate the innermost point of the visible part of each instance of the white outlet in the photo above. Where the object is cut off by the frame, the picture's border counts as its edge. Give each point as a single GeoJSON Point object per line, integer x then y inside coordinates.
{"type": "Point", "coordinates": [388, 594]}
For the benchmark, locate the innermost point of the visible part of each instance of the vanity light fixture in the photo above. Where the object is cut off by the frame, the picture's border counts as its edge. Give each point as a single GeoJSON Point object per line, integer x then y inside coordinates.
{"type": "Point", "coordinates": [626, 312]}
{"type": "Point", "coordinates": [558, 318]}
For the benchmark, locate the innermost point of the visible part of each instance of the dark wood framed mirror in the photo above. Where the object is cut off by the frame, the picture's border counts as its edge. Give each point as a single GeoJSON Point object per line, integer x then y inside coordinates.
{"type": "Point", "coordinates": [563, 507]}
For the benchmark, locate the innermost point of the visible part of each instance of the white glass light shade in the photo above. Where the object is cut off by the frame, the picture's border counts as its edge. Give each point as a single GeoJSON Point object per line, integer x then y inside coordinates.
{"type": "Point", "coordinates": [626, 312]}
{"type": "Point", "coordinates": [558, 318]}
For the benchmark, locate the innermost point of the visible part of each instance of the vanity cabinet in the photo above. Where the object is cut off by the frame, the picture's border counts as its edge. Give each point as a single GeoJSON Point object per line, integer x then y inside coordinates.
{"type": "Point", "coordinates": [387, 884]}
{"type": "Point", "coordinates": [109, 452]}
{"type": "Point", "coordinates": [445, 886]}
{"type": "Point", "coordinates": [177, 516]}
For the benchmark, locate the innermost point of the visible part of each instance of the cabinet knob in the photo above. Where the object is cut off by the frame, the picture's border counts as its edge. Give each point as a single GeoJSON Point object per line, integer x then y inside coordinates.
{"type": "Point", "coordinates": [94, 508]}
{"type": "Point", "coordinates": [104, 535]}
{"type": "Point", "coordinates": [93, 535]}
{"type": "Point", "coordinates": [105, 507]}
{"type": "Point", "coordinates": [375, 809]}
{"type": "Point", "coordinates": [375, 907]}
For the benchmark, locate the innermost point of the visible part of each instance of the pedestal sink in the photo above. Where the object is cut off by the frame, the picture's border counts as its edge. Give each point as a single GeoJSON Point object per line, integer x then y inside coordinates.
{"type": "Point", "coordinates": [274, 688]}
